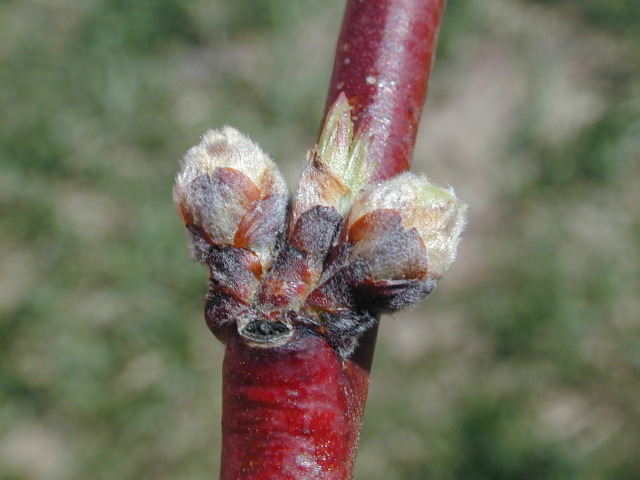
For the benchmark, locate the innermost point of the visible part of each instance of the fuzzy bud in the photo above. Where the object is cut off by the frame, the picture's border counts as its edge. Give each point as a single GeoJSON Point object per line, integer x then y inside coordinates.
{"type": "Point", "coordinates": [351, 251]}
{"type": "Point", "coordinates": [406, 227]}
{"type": "Point", "coordinates": [399, 238]}
{"type": "Point", "coordinates": [229, 192]}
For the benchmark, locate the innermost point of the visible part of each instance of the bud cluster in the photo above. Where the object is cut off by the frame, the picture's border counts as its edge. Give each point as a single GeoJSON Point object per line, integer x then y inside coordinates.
{"type": "Point", "coordinates": [347, 251]}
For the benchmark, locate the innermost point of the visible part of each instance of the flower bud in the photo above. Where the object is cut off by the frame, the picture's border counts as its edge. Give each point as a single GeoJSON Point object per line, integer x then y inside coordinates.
{"type": "Point", "coordinates": [399, 238]}
{"type": "Point", "coordinates": [406, 228]}
{"type": "Point", "coordinates": [229, 192]}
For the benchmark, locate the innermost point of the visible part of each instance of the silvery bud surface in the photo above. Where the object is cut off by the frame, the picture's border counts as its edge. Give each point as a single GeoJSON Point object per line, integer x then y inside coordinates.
{"type": "Point", "coordinates": [425, 211]}
{"type": "Point", "coordinates": [229, 192]}
{"type": "Point", "coordinates": [400, 236]}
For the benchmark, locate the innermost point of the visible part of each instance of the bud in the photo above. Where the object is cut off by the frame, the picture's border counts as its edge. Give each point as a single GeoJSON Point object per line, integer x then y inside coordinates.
{"type": "Point", "coordinates": [337, 168]}
{"type": "Point", "coordinates": [399, 238]}
{"type": "Point", "coordinates": [406, 227]}
{"type": "Point", "coordinates": [229, 192]}
{"type": "Point", "coordinates": [344, 152]}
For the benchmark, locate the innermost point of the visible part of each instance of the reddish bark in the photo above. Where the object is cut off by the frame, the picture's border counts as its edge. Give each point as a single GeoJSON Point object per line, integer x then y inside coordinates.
{"type": "Point", "coordinates": [294, 412]}
{"type": "Point", "coordinates": [290, 413]}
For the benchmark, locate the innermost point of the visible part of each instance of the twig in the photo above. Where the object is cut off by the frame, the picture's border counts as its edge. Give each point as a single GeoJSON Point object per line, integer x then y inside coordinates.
{"type": "Point", "coordinates": [296, 293]}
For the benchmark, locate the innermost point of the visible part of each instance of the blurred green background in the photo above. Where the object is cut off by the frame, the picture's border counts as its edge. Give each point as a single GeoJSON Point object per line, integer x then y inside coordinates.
{"type": "Point", "coordinates": [524, 364]}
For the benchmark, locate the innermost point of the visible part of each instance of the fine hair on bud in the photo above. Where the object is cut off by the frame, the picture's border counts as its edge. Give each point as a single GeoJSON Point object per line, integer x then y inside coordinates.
{"type": "Point", "coordinates": [229, 192]}
{"type": "Point", "coordinates": [434, 214]}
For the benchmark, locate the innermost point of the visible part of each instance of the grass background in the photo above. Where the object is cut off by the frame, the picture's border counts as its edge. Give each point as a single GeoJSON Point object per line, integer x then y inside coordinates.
{"type": "Point", "coordinates": [524, 364]}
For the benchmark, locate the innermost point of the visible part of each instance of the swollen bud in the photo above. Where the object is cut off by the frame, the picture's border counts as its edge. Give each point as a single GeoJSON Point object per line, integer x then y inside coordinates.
{"type": "Point", "coordinates": [399, 238]}
{"type": "Point", "coordinates": [406, 227]}
{"type": "Point", "coordinates": [230, 193]}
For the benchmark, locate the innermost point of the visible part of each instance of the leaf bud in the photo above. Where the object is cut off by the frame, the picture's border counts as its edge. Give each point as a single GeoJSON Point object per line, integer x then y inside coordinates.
{"type": "Point", "coordinates": [337, 168]}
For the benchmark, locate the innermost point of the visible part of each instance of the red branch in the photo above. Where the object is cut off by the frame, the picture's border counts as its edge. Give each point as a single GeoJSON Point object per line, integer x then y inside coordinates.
{"type": "Point", "coordinates": [294, 412]}
{"type": "Point", "coordinates": [290, 413]}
